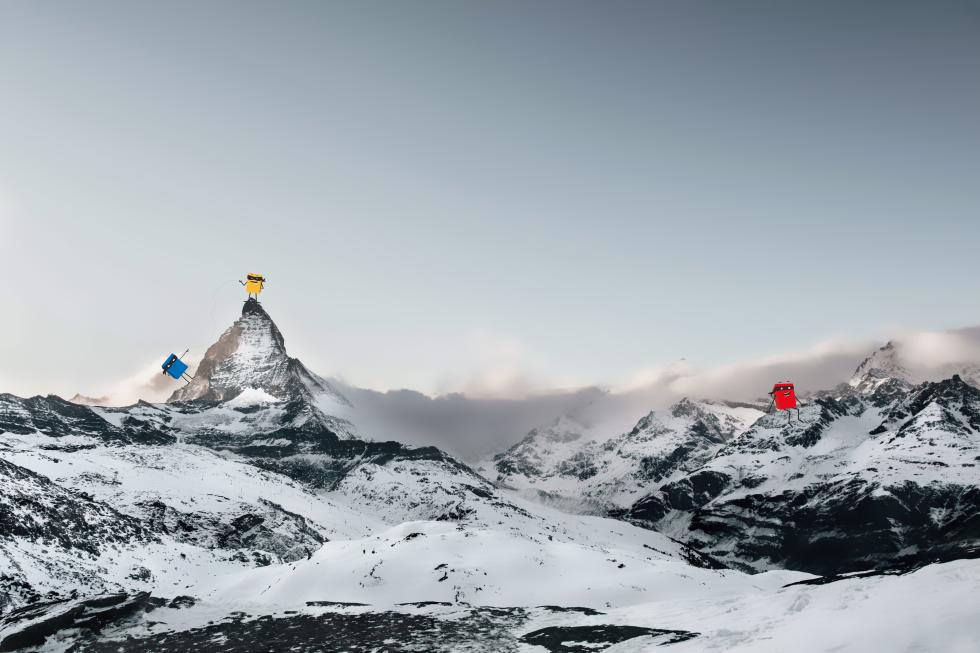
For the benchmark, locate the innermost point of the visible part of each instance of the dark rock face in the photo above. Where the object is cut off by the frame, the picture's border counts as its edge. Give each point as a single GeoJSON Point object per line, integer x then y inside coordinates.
{"type": "Point", "coordinates": [888, 392]}
{"type": "Point", "coordinates": [326, 461]}
{"type": "Point", "coordinates": [580, 465]}
{"type": "Point", "coordinates": [35, 509]}
{"type": "Point", "coordinates": [31, 625]}
{"type": "Point", "coordinates": [182, 601]}
{"type": "Point", "coordinates": [71, 524]}
{"type": "Point", "coordinates": [432, 627]}
{"type": "Point", "coordinates": [55, 417]}
{"type": "Point", "coordinates": [274, 531]}
{"type": "Point", "coordinates": [656, 468]}
{"type": "Point", "coordinates": [960, 403]}
{"type": "Point", "coordinates": [583, 639]}
{"type": "Point", "coordinates": [899, 568]}
{"type": "Point", "coordinates": [696, 490]}
{"type": "Point", "coordinates": [488, 629]}
{"type": "Point", "coordinates": [50, 415]}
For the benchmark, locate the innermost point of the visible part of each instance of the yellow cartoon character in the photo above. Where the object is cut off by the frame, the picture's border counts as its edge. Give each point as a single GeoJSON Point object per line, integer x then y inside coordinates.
{"type": "Point", "coordinates": [253, 285]}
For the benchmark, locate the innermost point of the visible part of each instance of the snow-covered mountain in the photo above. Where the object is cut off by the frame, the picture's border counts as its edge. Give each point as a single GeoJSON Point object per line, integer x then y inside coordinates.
{"type": "Point", "coordinates": [866, 481]}
{"type": "Point", "coordinates": [920, 358]}
{"type": "Point", "coordinates": [883, 471]}
{"type": "Point", "coordinates": [883, 366]}
{"type": "Point", "coordinates": [251, 355]}
{"type": "Point", "coordinates": [568, 462]}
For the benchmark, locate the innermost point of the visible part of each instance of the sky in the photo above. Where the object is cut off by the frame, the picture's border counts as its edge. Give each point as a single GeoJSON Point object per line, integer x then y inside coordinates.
{"type": "Point", "coordinates": [492, 198]}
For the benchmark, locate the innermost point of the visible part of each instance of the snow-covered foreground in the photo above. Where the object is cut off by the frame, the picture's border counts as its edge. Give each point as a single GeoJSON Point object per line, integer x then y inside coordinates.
{"type": "Point", "coordinates": [932, 609]}
{"type": "Point", "coordinates": [438, 561]}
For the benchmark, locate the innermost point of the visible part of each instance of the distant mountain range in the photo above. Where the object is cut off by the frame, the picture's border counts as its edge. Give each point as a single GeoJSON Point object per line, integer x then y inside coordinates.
{"type": "Point", "coordinates": [881, 472]}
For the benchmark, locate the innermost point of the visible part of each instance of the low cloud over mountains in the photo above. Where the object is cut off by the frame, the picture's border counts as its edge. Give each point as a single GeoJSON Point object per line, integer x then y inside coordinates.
{"type": "Point", "coordinates": [472, 425]}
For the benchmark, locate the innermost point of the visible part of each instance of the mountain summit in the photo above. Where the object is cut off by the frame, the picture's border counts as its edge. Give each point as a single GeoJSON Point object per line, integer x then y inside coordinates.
{"type": "Point", "coordinates": [881, 367]}
{"type": "Point", "coordinates": [903, 363]}
{"type": "Point", "coordinates": [251, 355]}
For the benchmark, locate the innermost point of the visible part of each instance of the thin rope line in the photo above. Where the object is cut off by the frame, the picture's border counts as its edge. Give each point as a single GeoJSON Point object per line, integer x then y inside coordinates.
{"type": "Point", "coordinates": [214, 306]}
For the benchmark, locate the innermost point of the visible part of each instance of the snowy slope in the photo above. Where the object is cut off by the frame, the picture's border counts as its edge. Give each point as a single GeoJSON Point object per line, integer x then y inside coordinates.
{"type": "Point", "coordinates": [218, 503]}
{"type": "Point", "coordinates": [55, 540]}
{"type": "Point", "coordinates": [931, 609]}
{"type": "Point", "coordinates": [90, 516]}
{"type": "Point", "coordinates": [188, 478]}
{"type": "Point", "coordinates": [439, 561]}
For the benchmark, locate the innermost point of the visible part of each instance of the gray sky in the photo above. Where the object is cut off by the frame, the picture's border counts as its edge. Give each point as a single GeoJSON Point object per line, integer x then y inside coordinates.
{"type": "Point", "coordinates": [487, 197]}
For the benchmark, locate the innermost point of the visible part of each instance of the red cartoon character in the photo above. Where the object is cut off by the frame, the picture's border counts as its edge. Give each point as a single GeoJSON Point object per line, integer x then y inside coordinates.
{"type": "Point", "coordinates": [784, 398]}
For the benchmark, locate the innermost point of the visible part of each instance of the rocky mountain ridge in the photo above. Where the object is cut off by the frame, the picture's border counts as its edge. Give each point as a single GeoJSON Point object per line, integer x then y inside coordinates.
{"type": "Point", "coordinates": [866, 481]}
{"type": "Point", "coordinates": [603, 473]}
{"type": "Point", "coordinates": [882, 471]}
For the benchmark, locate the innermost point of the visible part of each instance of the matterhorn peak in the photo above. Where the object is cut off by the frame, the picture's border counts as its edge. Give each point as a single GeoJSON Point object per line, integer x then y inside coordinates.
{"type": "Point", "coordinates": [251, 354]}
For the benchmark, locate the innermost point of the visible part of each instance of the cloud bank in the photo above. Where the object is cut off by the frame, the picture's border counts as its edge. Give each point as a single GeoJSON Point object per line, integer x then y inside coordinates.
{"type": "Point", "coordinates": [147, 384]}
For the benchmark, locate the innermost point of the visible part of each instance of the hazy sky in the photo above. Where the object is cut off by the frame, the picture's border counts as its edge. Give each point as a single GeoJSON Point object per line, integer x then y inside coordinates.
{"type": "Point", "coordinates": [482, 196]}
